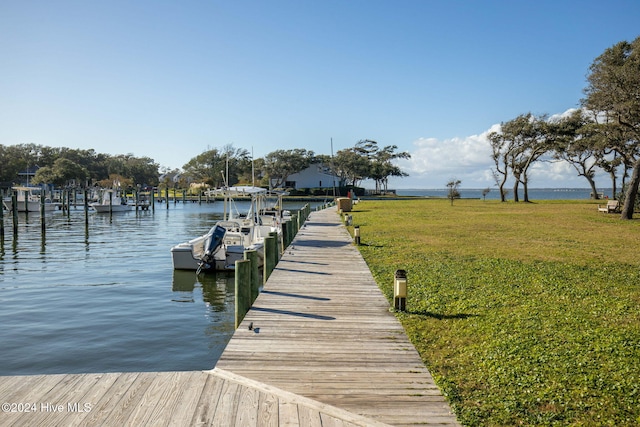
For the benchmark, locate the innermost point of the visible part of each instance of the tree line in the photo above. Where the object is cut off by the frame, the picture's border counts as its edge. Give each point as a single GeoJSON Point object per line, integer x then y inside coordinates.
{"type": "Point", "coordinates": [365, 160]}
{"type": "Point", "coordinates": [65, 166]}
{"type": "Point", "coordinates": [217, 167]}
{"type": "Point", "coordinates": [603, 135]}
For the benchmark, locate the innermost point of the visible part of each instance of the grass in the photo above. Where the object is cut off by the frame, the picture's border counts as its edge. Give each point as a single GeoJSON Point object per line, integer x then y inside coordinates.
{"type": "Point", "coordinates": [525, 314]}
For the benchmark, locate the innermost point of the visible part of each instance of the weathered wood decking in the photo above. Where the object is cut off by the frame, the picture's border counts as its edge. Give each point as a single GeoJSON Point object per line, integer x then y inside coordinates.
{"type": "Point", "coordinates": [211, 398]}
{"type": "Point", "coordinates": [322, 329]}
{"type": "Point", "coordinates": [323, 349]}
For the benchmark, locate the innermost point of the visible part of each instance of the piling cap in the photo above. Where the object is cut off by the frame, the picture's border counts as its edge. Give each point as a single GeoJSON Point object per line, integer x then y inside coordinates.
{"type": "Point", "coordinates": [401, 274]}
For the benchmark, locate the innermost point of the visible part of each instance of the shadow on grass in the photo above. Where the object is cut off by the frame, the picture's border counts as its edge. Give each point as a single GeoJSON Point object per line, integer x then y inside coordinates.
{"type": "Point", "coordinates": [441, 316]}
{"type": "Point", "coordinates": [370, 245]}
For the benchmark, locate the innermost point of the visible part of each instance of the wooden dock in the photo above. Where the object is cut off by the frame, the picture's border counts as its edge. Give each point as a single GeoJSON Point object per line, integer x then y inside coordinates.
{"type": "Point", "coordinates": [319, 348]}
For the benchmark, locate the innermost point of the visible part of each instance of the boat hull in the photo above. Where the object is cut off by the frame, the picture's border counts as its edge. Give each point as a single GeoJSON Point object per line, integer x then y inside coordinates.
{"type": "Point", "coordinates": [31, 206]}
{"type": "Point", "coordinates": [184, 257]}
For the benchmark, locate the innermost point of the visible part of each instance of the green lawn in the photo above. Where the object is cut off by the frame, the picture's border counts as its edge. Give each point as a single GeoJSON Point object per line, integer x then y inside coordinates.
{"type": "Point", "coordinates": [525, 314]}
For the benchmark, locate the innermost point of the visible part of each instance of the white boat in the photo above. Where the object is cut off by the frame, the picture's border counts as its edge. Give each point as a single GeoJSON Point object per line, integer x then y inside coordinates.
{"type": "Point", "coordinates": [202, 253]}
{"type": "Point", "coordinates": [112, 201]}
{"type": "Point", "coordinates": [28, 199]}
{"type": "Point", "coordinates": [236, 233]}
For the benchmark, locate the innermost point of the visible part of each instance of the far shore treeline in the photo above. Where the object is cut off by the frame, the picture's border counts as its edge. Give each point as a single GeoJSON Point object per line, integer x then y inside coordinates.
{"type": "Point", "coordinates": [215, 167]}
{"type": "Point", "coordinates": [602, 136]}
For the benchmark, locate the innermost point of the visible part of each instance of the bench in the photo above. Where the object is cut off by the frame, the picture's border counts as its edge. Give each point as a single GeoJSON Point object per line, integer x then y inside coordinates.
{"type": "Point", "coordinates": [610, 207]}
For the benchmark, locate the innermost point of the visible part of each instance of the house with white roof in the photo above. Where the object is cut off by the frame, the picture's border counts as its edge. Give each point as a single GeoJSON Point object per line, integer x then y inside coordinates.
{"type": "Point", "coordinates": [317, 175]}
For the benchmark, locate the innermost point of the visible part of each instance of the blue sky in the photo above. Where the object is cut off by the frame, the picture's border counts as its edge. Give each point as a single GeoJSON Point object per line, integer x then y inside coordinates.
{"type": "Point", "coordinates": [169, 80]}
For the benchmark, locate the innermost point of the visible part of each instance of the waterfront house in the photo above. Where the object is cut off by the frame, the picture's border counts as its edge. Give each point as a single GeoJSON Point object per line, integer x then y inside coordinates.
{"type": "Point", "coordinates": [318, 175]}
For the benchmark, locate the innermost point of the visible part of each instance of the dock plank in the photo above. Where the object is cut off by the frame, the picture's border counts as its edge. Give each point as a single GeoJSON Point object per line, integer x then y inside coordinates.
{"type": "Point", "coordinates": [208, 402]}
{"type": "Point", "coordinates": [184, 407]}
{"type": "Point", "coordinates": [267, 410]}
{"type": "Point", "coordinates": [55, 404]}
{"type": "Point", "coordinates": [225, 414]}
{"type": "Point", "coordinates": [126, 401]}
{"type": "Point", "coordinates": [248, 405]}
{"type": "Point", "coordinates": [103, 383]}
{"type": "Point", "coordinates": [323, 329]}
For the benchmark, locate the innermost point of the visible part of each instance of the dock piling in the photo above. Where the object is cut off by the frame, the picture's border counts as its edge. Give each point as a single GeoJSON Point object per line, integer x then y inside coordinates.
{"type": "Point", "coordinates": [1, 218]}
{"type": "Point", "coordinates": [14, 211]}
{"type": "Point", "coordinates": [86, 208]}
{"type": "Point", "coordinates": [242, 289]}
{"type": "Point", "coordinates": [270, 247]}
{"type": "Point", "coordinates": [252, 256]}
{"type": "Point", "coordinates": [42, 219]}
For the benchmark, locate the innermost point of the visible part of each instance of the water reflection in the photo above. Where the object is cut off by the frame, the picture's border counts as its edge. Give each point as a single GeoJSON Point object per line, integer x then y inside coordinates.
{"type": "Point", "coordinates": [217, 291]}
{"type": "Point", "coordinates": [217, 288]}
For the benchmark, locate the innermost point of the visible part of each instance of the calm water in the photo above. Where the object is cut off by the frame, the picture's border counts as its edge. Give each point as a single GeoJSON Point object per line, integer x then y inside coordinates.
{"type": "Point", "coordinates": [105, 298]}
{"type": "Point", "coordinates": [494, 194]}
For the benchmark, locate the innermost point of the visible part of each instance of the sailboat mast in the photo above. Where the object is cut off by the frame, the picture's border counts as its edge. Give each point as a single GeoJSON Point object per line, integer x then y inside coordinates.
{"type": "Point", "coordinates": [253, 172]}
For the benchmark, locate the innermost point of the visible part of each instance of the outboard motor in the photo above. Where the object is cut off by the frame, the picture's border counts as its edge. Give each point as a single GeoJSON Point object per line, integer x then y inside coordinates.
{"type": "Point", "coordinates": [211, 244]}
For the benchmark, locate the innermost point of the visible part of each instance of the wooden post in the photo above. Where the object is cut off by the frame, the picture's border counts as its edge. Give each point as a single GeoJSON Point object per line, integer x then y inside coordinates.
{"type": "Point", "coordinates": [26, 206]}
{"type": "Point", "coordinates": [1, 217]}
{"type": "Point", "coordinates": [69, 192]}
{"type": "Point", "coordinates": [167, 197]}
{"type": "Point", "coordinates": [243, 290]}
{"type": "Point", "coordinates": [86, 208]}
{"type": "Point", "coordinates": [269, 265]}
{"type": "Point", "coordinates": [292, 230]}
{"type": "Point", "coordinates": [153, 200]}
{"type": "Point", "coordinates": [285, 233]}
{"type": "Point", "coordinates": [252, 256]}
{"type": "Point", "coordinates": [14, 211]}
{"type": "Point", "coordinates": [294, 220]}
{"type": "Point", "coordinates": [42, 221]}
{"type": "Point", "coordinates": [275, 256]}
{"type": "Point", "coordinates": [110, 203]}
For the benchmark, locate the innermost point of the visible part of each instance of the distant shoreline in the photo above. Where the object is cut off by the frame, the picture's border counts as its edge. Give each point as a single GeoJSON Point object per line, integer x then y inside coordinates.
{"type": "Point", "coordinates": [494, 194]}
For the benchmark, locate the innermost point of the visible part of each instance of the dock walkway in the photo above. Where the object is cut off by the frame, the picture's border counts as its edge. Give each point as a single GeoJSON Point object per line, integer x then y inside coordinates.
{"type": "Point", "coordinates": [318, 348]}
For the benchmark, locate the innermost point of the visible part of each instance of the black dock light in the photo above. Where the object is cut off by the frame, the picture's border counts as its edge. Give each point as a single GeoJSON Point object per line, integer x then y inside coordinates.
{"type": "Point", "coordinates": [400, 290]}
{"type": "Point", "coordinates": [356, 234]}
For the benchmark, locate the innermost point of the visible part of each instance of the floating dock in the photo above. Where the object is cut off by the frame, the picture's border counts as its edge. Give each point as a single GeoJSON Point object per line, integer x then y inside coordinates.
{"type": "Point", "coordinates": [319, 347]}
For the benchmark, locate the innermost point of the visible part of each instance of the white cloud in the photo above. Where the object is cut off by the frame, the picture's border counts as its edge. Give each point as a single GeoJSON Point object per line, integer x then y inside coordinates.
{"type": "Point", "coordinates": [557, 117]}
{"type": "Point", "coordinates": [434, 162]}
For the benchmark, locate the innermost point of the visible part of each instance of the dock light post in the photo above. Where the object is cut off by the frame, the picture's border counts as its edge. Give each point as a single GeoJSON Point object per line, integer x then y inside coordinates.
{"type": "Point", "coordinates": [356, 234]}
{"type": "Point", "coordinates": [400, 290]}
